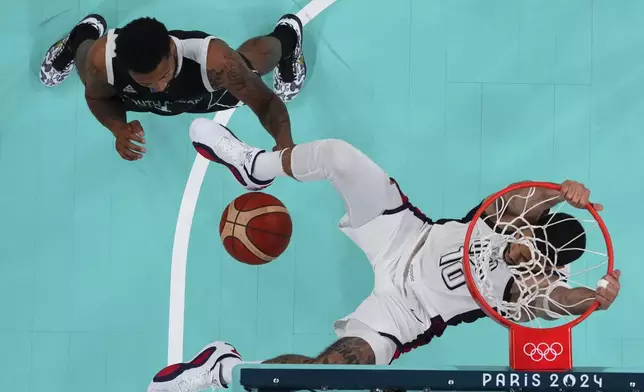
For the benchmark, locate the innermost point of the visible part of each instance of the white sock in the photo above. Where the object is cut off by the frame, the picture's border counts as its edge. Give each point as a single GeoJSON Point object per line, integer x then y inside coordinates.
{"type": "Point", "coordinates": [268, 165]}
{"type": "Point", "coordinates": [308, 162]}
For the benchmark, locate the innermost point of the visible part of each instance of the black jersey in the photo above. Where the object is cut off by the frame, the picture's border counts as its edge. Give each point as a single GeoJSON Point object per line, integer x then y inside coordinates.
{"type": "Point", "coordinates": [189, 91]}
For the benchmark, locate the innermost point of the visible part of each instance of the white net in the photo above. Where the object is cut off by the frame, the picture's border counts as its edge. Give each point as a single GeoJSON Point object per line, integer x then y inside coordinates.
{"type": "Point", "coordinates": [565, 248]}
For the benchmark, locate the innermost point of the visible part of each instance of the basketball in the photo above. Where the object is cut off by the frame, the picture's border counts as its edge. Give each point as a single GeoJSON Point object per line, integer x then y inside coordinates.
{"type": "Point", "coordinates": [255, 228]}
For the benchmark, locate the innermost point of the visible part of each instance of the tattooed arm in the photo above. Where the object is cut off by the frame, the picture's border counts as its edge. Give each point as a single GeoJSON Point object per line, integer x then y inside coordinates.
{"type": "Point", "coordinates": [106, 106]}
{"type": "Point", "coordinates": [100, 95]}
{"type": "Point", "coordinates": [555, 299]}
{"type": "Point", "coordinates": [345, 351]}
{"type": "Point", "coordinates": [227, 69]}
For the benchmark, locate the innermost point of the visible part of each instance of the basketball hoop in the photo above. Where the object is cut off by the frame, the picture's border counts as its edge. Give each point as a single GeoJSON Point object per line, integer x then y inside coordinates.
{"type": "Point", "coordinates": [532, 348]}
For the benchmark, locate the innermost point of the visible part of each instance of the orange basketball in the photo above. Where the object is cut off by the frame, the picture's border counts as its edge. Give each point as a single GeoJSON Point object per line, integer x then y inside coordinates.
{"type": "Point", "coordinates": [255, 228]}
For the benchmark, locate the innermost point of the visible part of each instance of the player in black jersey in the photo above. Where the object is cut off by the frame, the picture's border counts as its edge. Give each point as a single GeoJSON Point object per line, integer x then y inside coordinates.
{"type": "Point", "coordinates": [143, 67]}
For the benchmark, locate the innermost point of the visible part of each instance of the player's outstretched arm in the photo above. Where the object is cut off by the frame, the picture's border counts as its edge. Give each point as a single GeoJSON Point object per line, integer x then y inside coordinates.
{"type": "Point", "coordinates": [531, 203]}
{"type": "Point", "coordinates": [226, 69]}
{"type": "Point", "coordinates": [558, 300]}
{"type": "Point", "coordinates": [345, 351]}
{"type": "Point", "coordinates": [100, 96]}
{"type": "Point", "coordinates": [108, 109]}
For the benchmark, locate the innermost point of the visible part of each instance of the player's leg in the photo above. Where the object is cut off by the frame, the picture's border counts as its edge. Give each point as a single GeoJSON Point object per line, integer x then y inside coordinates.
{"type": "Point", "coordinates": [281, 50]}
{"type": "Point", "coordinates": [71, 51]}
{"type": "Point", "coordinates": [213, 366]}
{"type": "Point", "coordinates": [363, 185]}
{"type": "Point", "coordinates": [344, 351]}
{"type": "Point", "coordinates": [365, 337]}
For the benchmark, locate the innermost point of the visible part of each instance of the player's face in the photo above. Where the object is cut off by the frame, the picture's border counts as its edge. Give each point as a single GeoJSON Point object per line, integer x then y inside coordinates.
{"type": "Point", "coordinates": [159, 79]}
{"type": "Point", "coordinates": [516, 254]}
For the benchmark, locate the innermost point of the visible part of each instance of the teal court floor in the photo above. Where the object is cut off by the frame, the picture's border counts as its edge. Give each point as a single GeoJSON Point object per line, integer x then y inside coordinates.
{"type": "Point", "coordinates": [454, 98]}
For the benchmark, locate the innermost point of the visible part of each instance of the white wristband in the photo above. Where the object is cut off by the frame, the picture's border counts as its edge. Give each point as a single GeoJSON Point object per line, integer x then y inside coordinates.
{"type": "Point", "coordinates": [603, 283]}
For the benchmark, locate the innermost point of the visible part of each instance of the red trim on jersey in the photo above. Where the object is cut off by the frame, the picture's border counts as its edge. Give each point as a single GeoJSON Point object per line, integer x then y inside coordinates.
{"type": "Point", "coordinates": [406, 205]}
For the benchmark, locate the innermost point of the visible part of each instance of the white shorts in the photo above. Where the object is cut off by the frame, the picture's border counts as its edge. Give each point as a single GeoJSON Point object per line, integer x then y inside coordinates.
{"type": "Point", "coordinates": [392, 311]}
{"type": "Point", "coordinates": [381, 221]}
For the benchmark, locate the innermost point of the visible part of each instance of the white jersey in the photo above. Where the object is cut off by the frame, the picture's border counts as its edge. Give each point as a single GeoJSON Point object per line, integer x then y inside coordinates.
{"type": "Point", "coordinates": [437, 276]}
{"type": "Point", "coordinates": [419, 282]}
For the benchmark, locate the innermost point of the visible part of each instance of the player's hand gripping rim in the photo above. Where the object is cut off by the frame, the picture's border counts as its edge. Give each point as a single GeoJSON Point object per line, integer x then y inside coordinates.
{"type": "Point", "coordinates": [577, 195]}
{"type": "Point", "coordinates": [608, 289]}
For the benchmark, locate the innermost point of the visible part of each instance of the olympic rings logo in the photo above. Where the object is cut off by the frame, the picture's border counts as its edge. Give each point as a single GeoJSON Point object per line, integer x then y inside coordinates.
{"type": "Point", "coordinates": [543, 351]}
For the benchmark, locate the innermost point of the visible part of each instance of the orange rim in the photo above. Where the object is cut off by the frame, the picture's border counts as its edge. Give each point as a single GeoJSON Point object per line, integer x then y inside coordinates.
{"type": "Point", "coordinates": [471, 285]}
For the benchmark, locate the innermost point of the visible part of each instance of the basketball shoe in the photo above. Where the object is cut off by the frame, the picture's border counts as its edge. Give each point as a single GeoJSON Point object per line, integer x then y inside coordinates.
{"type": "Point", "coordinates": [205, 370]}
{"type": "Point", "coordinates": [290, 73]}
{"type": "Point", "coordinates": [59, 61]}
{"type": "Point", "coordinates": [217, 143]}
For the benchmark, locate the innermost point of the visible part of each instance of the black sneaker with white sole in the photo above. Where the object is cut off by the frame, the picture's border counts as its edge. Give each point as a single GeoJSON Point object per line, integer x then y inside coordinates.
{"type": "Point", "coordinates": [290, 73]}
{"type": "Point", "coordinates": [59, 60]}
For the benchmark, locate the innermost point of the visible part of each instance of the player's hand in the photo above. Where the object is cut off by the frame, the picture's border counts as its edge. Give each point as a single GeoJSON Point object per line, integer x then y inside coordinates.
{"type": "Point", "coordinates": [606, 296]}
{"type": "Point", "coordinates": [577, 194]}
{"type": "Point", "coordinates": [125, 136]}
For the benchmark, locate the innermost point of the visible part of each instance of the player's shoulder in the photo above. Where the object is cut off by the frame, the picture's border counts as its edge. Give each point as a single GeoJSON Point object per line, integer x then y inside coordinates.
{"type": "Point", "coordinates": [96, 79]}
{"type": "Point", "coordinates": [218, 47]}
{"type": "Point", "coordinates": [96, 56]}
{"type": "Point", "coordinates": [220, 54]}
{"type": "Point", "coordinates": [194, 39]}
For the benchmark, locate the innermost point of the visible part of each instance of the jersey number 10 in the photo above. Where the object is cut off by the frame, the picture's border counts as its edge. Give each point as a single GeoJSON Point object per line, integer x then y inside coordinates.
{"type": "Point", "coordinates": [451, 265]}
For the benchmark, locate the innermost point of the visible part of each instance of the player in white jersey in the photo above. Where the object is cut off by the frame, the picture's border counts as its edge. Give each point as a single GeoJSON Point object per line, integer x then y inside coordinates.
{"type": "Point", "coordinates": [420, 286]}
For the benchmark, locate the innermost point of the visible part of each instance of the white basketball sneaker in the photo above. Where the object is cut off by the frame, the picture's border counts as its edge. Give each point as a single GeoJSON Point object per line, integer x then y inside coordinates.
{"type": "Point", "coordinates": [202, 372]}
{"type": "Point", "coordinates": [217, 143]}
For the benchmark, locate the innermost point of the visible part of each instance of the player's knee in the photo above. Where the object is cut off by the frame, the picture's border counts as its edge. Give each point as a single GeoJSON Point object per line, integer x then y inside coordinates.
{"type": "Point", "coordinates": [338, 156]}
{"type": "Point", "coordinates": [372, 346]}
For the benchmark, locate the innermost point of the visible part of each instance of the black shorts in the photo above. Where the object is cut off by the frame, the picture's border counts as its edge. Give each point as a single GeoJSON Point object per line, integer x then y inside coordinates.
{"type": "Point", "coordinates": [209, 102]}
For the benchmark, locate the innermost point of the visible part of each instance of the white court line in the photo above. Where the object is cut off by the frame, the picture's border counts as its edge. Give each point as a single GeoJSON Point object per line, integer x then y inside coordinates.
{"type": "Point", "coordinates": [184, 221]}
